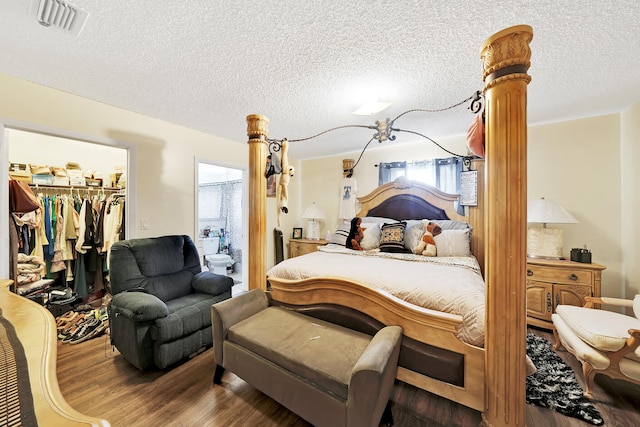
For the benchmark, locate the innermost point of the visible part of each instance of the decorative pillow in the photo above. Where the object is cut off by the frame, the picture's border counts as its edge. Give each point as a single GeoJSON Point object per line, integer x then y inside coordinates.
{"type": "Point", "coordinates": [452, 224]}
{"type": "Point", "coordinates": [378, 220]}
{"type": "Point", "coordinates": [341, 234]}
{"type": "Point", "coordinates": [453, 243]}
{"type": "Point", "coordinates": [412, 233]}
{"type": "Point", "coordinates": [392, 237]}
{"type": "Point", "coordinates": [371, 239]}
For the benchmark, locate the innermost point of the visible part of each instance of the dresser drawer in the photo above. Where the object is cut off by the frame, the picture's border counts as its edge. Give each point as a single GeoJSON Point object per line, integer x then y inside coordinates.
{"type": "Point", "coordinates": [554, 282]}
{"type": "Point", "coordinates": [559, 275]}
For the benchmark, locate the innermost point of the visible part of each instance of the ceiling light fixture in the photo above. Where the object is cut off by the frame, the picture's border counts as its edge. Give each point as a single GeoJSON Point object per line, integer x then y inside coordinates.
{"type": "Point", "coordinates": [59, 14]}
{"type": "Point", "coordinates": [371, 108]}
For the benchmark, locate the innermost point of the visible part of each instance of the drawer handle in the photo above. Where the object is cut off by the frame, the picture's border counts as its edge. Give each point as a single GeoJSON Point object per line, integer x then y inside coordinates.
{"type": "Point", "coordinates": [529, 272]}
{"type": "Point", "coordinates": [573, 277]}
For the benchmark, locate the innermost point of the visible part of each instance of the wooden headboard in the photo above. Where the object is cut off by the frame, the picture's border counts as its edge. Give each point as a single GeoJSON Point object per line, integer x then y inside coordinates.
{"type": "Point", "coordinates": [406, 199]}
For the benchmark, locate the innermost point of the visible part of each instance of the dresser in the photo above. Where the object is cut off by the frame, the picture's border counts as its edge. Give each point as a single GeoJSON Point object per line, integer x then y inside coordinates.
{"type": "Point", "coordinates": [554, 282]}
{"type": "Point", "coordinates": [299, 247]}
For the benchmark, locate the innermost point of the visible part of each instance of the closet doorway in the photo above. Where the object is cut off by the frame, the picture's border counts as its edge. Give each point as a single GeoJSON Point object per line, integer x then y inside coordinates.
{"type": "Point", "coordinates": [220, 219]}
{"type": "Point", "coordinates": [26, 143]}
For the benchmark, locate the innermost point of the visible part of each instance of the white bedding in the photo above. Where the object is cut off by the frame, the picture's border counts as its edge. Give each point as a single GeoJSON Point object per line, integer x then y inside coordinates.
{"type": "Point", "coordinates": [449, 284]}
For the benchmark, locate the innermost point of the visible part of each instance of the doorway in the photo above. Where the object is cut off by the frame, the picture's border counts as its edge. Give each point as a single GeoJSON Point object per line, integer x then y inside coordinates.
{"type": "Point", "coordinates": [220, 222]}
{"type": "Point", "coordinates": [32, 143]}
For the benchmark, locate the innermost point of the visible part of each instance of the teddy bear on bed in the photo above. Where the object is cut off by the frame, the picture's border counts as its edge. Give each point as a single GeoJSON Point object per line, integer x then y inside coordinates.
{"type": "Point", "coordinates": [356, 234]}
{"type": "Point", "coordinates": [427, 244]}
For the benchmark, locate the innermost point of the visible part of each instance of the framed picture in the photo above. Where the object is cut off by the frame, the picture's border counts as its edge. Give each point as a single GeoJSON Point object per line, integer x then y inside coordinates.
{"type": "Point", "coordinates": [297, 233]}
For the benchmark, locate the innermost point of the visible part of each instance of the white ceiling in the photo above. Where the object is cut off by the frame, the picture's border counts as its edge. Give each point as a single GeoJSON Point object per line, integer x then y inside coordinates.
{"type": "Point", "coordinates": [306, 65]}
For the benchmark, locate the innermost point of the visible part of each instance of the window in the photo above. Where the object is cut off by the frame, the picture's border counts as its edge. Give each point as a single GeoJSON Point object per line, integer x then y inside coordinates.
{"type": "Point", "coordinates": [443, 174]}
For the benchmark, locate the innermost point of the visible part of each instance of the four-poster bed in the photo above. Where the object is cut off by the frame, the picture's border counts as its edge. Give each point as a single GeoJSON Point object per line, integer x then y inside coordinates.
{"type": "Point", "coordinates": [442, 350]}
{"type": "Point", "coordinates": [493, 376]}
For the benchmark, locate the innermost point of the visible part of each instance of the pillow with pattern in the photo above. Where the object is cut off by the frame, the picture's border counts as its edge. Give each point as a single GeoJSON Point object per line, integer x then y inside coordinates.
{"type": "Point", "coordinates": [392, 237]}
{"type": "Point", "coordinates": [453, 243]}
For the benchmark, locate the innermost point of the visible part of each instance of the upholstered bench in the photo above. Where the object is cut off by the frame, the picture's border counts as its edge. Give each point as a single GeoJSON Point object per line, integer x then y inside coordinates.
{"type": "Point", "coordinates": [605, 342]}
{"type": "Point", "coordinates": [327, 374]}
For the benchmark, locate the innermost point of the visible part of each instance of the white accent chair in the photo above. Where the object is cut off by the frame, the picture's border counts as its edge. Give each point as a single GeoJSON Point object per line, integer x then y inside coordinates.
{"type": "Point", "coordinates": [604, 342]}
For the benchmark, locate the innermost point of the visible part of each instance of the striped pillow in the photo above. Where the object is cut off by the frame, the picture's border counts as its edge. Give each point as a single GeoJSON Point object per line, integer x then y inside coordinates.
{"type": "Point", "coordinates": [341, 235]}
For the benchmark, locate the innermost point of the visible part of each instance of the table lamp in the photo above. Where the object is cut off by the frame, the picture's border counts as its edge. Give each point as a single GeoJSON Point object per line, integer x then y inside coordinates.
{"type": "Point", "coordinates": [544, 242]}
{"type": "Point", "coordinates": [312, 213]}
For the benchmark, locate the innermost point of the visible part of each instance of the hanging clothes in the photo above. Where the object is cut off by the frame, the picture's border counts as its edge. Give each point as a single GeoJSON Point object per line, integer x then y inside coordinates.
{"type": "Point", "coordinates": [113, 223]}
{"type": "Point", "coordinates": [57, 263]}
{"type": "Point", "coordinates": [68, 233]}
{"type": "Point", "coordinates": [47, 248]}
{"type": "Point", "coordinates": [86, 232]}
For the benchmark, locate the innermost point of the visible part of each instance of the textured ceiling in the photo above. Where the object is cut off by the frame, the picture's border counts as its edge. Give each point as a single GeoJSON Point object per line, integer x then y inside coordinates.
{"type": "Point", "coordinates": [306, 65]}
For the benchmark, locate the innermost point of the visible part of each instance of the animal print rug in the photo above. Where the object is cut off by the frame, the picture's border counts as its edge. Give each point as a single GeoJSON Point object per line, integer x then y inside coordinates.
{"type": "Point", "coordinates": [554, 385]}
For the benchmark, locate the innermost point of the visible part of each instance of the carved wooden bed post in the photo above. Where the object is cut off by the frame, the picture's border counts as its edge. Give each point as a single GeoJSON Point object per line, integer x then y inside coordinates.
{"type": "Point", "coordinates": [506, 59]}
{"type": "Point", "coordinates": [257, 132]}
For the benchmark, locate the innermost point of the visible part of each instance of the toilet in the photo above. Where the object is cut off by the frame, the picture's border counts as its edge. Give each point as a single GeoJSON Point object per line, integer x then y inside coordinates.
{"type": "Point", "coordinates": [217, 263]}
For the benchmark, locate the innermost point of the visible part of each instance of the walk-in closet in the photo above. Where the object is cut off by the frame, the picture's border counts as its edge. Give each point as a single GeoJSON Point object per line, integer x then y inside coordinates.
{"type": "Point", "coordinates": [81, 189]}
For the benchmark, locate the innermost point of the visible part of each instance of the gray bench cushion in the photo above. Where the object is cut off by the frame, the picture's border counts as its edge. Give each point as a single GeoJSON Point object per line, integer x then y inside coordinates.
{"type": "Point", "coordinates": [300, 344]}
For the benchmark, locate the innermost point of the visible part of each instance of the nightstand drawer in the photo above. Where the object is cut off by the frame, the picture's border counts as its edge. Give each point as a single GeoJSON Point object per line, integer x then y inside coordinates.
{"type": "Point", "coordinates": [299, 247]}
{"type": "Point", "coordinates": [559, 275]}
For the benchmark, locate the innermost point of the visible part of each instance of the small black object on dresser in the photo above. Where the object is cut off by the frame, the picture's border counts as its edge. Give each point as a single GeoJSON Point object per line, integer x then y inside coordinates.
{"type": "Point", "coordinates": [581, 255]}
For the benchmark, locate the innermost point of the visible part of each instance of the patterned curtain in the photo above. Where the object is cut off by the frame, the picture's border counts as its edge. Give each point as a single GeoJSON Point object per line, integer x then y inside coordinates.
{"type": "Point", "coordinates": [222, 201]}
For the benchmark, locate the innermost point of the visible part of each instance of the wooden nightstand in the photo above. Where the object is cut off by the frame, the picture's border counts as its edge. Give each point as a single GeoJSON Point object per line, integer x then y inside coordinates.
{"type": "Point", "coordinates": [554, 282]}
{"type": "Point", "coordinates": [299, 247]}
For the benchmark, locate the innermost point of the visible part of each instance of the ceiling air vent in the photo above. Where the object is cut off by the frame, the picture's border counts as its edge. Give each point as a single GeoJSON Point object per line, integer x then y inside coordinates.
{"type": "Point", "coordinates": [59, 14]}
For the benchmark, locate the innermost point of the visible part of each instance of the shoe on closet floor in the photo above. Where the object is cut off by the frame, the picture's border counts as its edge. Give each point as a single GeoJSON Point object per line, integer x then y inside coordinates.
{"type": "Point", "coordinates": [63, 321]}
{"type": "Point", "coordinates": [103, 325]}
{"type": "Point", "coordinates": [73, 326]}
{"type": "Point", "coordinates": [65, 296]}
{"type": "Point", "coordinates": [83, 330]}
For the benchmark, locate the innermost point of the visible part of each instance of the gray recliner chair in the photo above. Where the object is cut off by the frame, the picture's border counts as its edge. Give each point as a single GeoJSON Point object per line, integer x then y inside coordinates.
{"type": "Point", "coordinates": [160, 312]}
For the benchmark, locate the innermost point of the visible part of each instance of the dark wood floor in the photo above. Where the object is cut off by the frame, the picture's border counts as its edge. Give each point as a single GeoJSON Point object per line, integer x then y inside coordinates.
{"type": "Point", "coordinates": [97, 381]}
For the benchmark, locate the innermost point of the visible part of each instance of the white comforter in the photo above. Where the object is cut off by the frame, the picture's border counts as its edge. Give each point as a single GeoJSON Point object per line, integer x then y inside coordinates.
{"type": "Point", "coordinates": [449, 284]}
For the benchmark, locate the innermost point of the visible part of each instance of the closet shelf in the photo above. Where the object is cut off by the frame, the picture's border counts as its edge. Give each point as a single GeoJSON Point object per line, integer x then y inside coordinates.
{"type": "Point", "coordinates": [75, 187]}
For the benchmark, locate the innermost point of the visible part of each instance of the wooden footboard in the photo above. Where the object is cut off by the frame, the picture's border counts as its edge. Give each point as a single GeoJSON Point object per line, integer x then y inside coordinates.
{"type": "Point", "coordinates": [31, 363]}
{"type": "Point", "coordinates": [431, 327]}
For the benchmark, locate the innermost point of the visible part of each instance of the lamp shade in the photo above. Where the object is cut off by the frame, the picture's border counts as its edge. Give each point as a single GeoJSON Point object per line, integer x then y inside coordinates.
{"type": "Point", "coordinates": [547, 211]}
{"type": "Point", "coordinates": [313, 212]}
{"type": "Point", "coordinates": [543, 242]}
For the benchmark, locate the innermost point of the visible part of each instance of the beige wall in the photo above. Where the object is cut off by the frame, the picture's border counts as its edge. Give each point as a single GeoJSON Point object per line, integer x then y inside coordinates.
{"type": "Point", "coordinates": [630, 154]}
{"type": "Point", "coordinates": [165, 152]}
{"type": "Point", "coordinates": [586, 165]}
{"type": "Point", "coordinates": [577, 163]}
